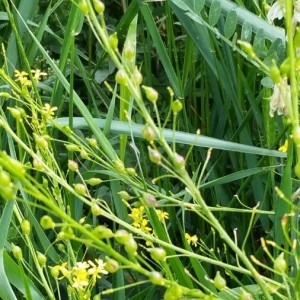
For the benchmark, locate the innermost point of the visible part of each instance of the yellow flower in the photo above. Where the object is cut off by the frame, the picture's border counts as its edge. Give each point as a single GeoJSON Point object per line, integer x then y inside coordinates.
{"type": "Point", "coordinates": [97, 269]}
{"type": "Point", "coordinates": [80, 275]}
{"type": "Point", "coordinates": [22, 77]}
{"type": "Point", "coordinates": [191, 239]}
{"type": "Point", "coordinates": [48, 111]}
{"type": "Point", "coordinates": [137, 214]}
{"type": "Point", "coordinates": [162, 215]}
{"type": "Point", "coordinates": [284, 147]}
{"type": "Point", "coordinates": [63, 270]}
{"type": "Point", "coordinates": [37, 74]}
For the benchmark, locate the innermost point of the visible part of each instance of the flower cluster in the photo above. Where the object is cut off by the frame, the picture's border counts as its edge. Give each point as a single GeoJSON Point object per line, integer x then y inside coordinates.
{"type": "Point", "coordinates": [23, 77]}
{"type": "Point", "coordinates": [82, 277]}
{"type": "Point", "coordinates": [277, 11]}
{"type": "Point", "coordinates": [191, 239]}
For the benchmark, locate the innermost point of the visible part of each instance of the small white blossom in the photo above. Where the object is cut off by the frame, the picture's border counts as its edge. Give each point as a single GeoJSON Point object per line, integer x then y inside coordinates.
{"type": "Point", "coordinates": [277, 11]}
{"type": "Point", "coordinates": [281, 94]}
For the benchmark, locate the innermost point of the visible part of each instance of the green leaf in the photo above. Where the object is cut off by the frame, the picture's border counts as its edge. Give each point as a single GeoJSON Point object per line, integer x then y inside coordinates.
{"type": "Point", "coordinates": [214, 12]}
{"type": "Point", "coordinates": [230, 24]}
{"type": "Point", "coordinates": [246, 34]}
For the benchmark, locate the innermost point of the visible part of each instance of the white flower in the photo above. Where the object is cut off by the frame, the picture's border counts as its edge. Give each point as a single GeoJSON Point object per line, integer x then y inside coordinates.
{"type": "Point", "coordinates": [296, 16]}
{"type": "Point", "coordinates": [276, 11]}
{"type": "Point", "coordinates": [281, 94]}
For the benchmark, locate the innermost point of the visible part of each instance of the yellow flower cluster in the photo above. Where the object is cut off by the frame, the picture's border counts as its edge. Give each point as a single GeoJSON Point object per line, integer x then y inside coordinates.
{"type": "Point", "coordinates": [22, 76]}
{"type": "Point", "coordinates": [81, 277]}
{"type": "Point", "coordinates": [191, 239]}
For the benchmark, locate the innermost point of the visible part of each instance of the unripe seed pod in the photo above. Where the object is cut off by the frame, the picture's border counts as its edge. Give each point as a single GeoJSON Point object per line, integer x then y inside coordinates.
{"type": "Point", "coordinates": [99, 6]}
{"type": "Point", "coordinates": [17, 252]}
{"type": "Point", "coordinates": [113, 41]}
{"type": "Point", "coordinates": [16, 114]}
{"type": "Point", "coordinates": [274, 72]}
{"type": "Point", "coordinates": [280, 264]}
{"type": "Point", "coordinates": [158, 254]}
{"type": "Point", "coordinates": [128, 52]}
{"type": "Point", "coordinates": [80, 189]}
{"type": "Point", "coordinates": [246, 296]}
{"type": "Point", "coordinates": [94, 181]}
{"type": "Point", "coordinates": [8, 192]}
{"type": "Point", "coordinates": [72, 165]}
{"type": "Point", "coordinates": [151, 93]}
{"type": "Point", "coordinates": [84, 154]}
{"type": "Point", "coordinates": [121, 77]}
{"type": "Point", "coordinates": [131, 246]}
{"type": "Point", "coordinates": [38, 164]}
{"type": "Point", "coordinates": [247, 47]}
{"type": "Point", "coordinates": [25, 226]}
{"type": "Point", "coordinates": [47, 222]}
{"type": "Point", "coordinates": [148, 133]}
{"type": "Point", "coordinates": [176, 106]}
{"type": "Point", "coordinates": [149, 200]}
{"type": "Point", "coordinates": [124, 195]}
{"type": "Point", "coordinates": [119, 166]}
{"type": "Point", "coordinates": [156, 278]}
{"type": "Point", "coordinates": [72, 147]}
{"type": "Point", "coordinates": [83, 6]}
{"type": "Point", "coordinates": [131, 171]}
{"type": "Point", "coordinates": [179, 161]}
{"type": "Point", "coordinates": [42, 259]}
{"type": "Point", "coordinates": [154, 156]}
{"type": "Point", "coordinates": [96, 209]}
{"type": "Point", "coordinates": [219, 281]}
{"type": "Point", "coordinates": [40, 141]}
{"type": "Point", "coordinates": [111, 265]}
{"type": "Point", "coordinates": [122, 236]}
{"type": "Point", "coordinates": [4, 178]}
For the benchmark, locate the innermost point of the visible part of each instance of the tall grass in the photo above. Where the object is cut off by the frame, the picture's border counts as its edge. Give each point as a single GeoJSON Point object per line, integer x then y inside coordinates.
{"type": "Point", "coordinates": [143, 162]}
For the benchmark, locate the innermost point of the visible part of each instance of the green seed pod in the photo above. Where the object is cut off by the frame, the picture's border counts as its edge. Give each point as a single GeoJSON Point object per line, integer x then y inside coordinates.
{"type": "Point", "coordinates": [8, 192]}
{"type": "Point", "coordinates": [80, 189]}
{"type": "Point", "coordinates": [111, 265]}
{"type": "Point", "coordinates": [25, 226]}
{"type": "Point", "coordinates": [94, 181]}
{"type": "Point", "coordinates": [113, 41]}
{"type": "Point", "coordinates": [124, 195]}
{"type": "Point", "coordinates": [102, 232]}
{"type": "Point", "coordinates": [83, 6]}
{"type": "Point", "coordinates": [131, 171]}
{"type": "Point", "coordinates": [72, 147]}
{"type": "Point", "coordinates": [99, 6]}
{"type": "Point", "coordinates": [40, 141]}
{"type": "Point", "coordinates": [219, 282]}
{"type": "Point", "coordinates": [61, 247]}
{"type": "Point", "coordinates": [247, 48]}
{"type": "Point", "coordinates": [42, 259]}
{"type": "Point", "coordinates": [72, 165]}
{"type": "Point", "coordinates": [149, 200]}
{"type": "Point", "coordinates": [156, 278]}
{"type": "Point", "coordinates": [84, 154]}
{"type": "Point", "coordinates": [47, 222]}
{"type": "Point", "coordinates": [131, 246]}
{"type": "Point", "coordinates": [274, 72]}
{"type": "Point", "coordinates": [158, 254]}
{"type": "Point", "coordinates": [96, 209]}
{"type": "Point", "coordinates": [17, 252]}
{"type": "Point", "coordinates": [122, 236]}
{"type": "Point", "coordinates": [148, 133]}
{"type": "Point", "coordinates": [174, 292]}
{"type": "Point", "coordinates": [38, 164]}
{"type": "Point", "coordinates": [129, 52]}
{"type": "Point", "coordinates": [67, 231]}
{"type": "Point", "coordinates": [176, 106]}
{"type": "Point", "coordinates": [16, 114]}
{"type": "Point", "coordinates": [151, 93]}
{"type": "Point", "coordinates": [280, 264]}
{"type": "Point", "coordinates": [119, 166]}
{"type": "Point", "coordinates": [154, 156]}
{"type": "Point", "coordinates": [121, 77]}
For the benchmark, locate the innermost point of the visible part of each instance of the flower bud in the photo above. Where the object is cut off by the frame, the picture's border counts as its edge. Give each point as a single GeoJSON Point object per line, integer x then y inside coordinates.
{"type": "Point", "coordinates": [102, 232]}
{"type": "Point", "coordinates": [16, 113]}
{"type": "Point", "coordinates": [280, 264]}
{"type": "Point", "coordinates": [131, 171]}
{"type": "Point", "coordinates": [84, 154]}
{"type": "Point", "coordinates": [42, 259]}
{"type": "Point", "coordinates": [156, 278]}
{"type": "Point", "coordinates": [247, 48]}
{"type": "Point", "coordinates": [5, 179]}
{"type": "Point", "coordinates": [92, 142]}
{"type": "Point", "coordinates": [122, 236]}
{"type": "Point", "coordinates": [40, 141]}
{"type": "Point", "coordinates": [148, 133]}
{"type": "Point", "coordinates": [47, 222]}
{"type": "Point", "coordinates": [72, 147]}
{"type": "Point", "coordinates": [121, 77]}
{"type": "Point", "coordinates": [137, 77]}
{"type": "Point", "coordinates": [219, 281]}
{"type": "Point", "coordinates": [111, 265]}
{"type": "Point", "coordinates": [8, 192]}
{"type": "Point", "coordinates": [274, 73]}
{"type": "Point", "coordinates": [83, 6]}
{"type": "Point", "coordinates": [131, 246]}
{"type": "Point", "coordinates": [149, 200]}
{"type": "Point", "coordinates": [154, 156]}
{"type": "Point", "coordinates": [179, 161]}
{"type": "Point", "coordinates": [94, 181]}
{"type": "Point", "coordinates": [54, 272]}
{"type": "Point", "coordinates": [80, 189]}
{"type": "Point", "coordinates": [96, 209]}
{"type": "Point", "coordinates": [124, 195]}
{"type": "Point", "coordinates": [38, 164]}
{"type": "Point", "coordinates": [113, 41]}
{"type": "Point", "coordinates": [99, 6]}
{"type": "Point", "coordinates": [72, 165]}
{"type": "Point", "coordinates": [176, 106]}
{"type": "Point", "coordinates": [128, 51]}
{"type": "Point", "coordinates": [17, 252]}
{"type": "Point", "coordinates": [158, 254]}
{"type": "Point", "coordinates": [119, 166]}
{"type": "Point", "coordinates": [25, 226]}
{"type": "Point", "coordinates": [151, 93]}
